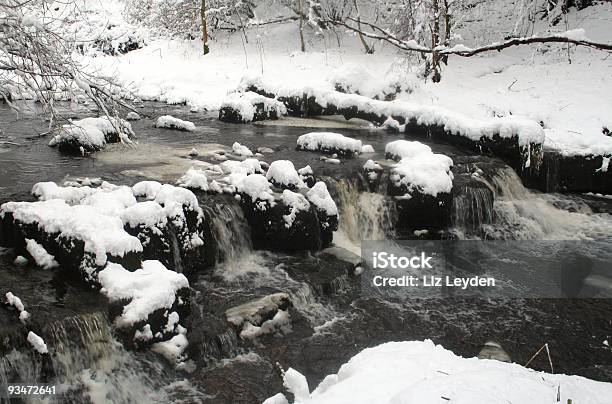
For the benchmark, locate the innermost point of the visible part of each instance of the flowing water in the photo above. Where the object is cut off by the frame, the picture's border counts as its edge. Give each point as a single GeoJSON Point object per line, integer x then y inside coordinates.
{"type": "Point", "coordinates": [330, 319]}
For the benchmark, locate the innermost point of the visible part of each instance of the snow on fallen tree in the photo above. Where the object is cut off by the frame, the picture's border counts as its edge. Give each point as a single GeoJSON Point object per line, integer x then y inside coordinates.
{"type": "Point", "coordinates": [170, 122]}
{"type": "Point", "coordinates": [89, 135]}
{"type": "Point", "coordinates": [249, 107]}
{"type": "Point", "coordinates": [516, 140]}
{"type": "Point", "coordinates": [329, 142]}
{"type": "Point", "coordinates": [422, 372]}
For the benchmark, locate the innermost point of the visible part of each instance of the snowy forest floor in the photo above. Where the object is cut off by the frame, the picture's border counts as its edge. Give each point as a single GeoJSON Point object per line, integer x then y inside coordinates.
{"type": "Point", "coordinates": [572, 101]}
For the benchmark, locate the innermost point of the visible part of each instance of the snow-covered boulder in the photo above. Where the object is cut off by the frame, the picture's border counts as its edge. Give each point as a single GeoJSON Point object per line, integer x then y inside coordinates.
{"type": "Point", "coordinates": [80, 238]}
{"type": "Point", "coordinates": [326, 209]}
{"type": "Point", "coordinates": [147, 305]}
{"type": "Point", "coordinates": [267, 315]}
{"type": "Point", "coordinates": [250, 107]}
{"type": "Point", "coordinates": [282, 174]}
{"type": "Point", "coordinates": [170, 122]}
{"type": "Point", "coordinates": [89, 135]}
{"type": "Point", "coordinates": [421, 183]}
{"type": "Point", "coordinates": [307, 176]}
{"type": "Point", "coordinates": [81, 229]}
{"type": "Point", "coordinates": [328, 142]}
{"type": "Point", "coordinates": [132, 116]}
{"type": "Point", "coordinates": [422, 372]}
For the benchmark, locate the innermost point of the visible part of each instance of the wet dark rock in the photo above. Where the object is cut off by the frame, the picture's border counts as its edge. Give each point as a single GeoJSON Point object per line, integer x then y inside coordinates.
{"type": "Point", "coordinates": [574, 174]}
{"type": "Point", "coordinates": [421, 214]}
{"type": "Point", "coordinates": [311, 229]}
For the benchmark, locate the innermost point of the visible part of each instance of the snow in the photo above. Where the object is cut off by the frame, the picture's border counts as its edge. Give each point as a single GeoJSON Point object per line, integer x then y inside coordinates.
{"type": "Point", "coordinates": [281, 322]}
{"type": "Point", "coordinates": [305, 171]}
{"type": "Point", "coordinates": [419, 168]}
{"type": "Point", "coordinates": [147, 214]}
{"type": "Point", "coordinates": [256, 310]}
{"type": "Point", "coordinates": [144, 335]}
{"type": "Point", "coordinates": [283, 173]}
{"type": "Point", "coordinates": [132, 116]}
{"type": "Point", "coordinates": [92, 133]}
{"type": "Point", "coordinates": [245, 104]}
{"type": "Point", "coordinates": [50, 190]}
{"type": "Point", "coordinates": [366, 148]}
{"type": "Point", "coordinates": [149, 288]}
{"type": "Point", "coordinates": [400, 149]}
{"type": "Point", "coordinates": [257, 187]}
{"type": "Point", "coordinates": [296, 202]}
{"type": "Point", "coordinates": [194, 179]}
{"type": "Point", "coordinates": [42, 258]}
{"type": "Point", "coordinates": [14, 301]}
{"type": "Point", "coordinates": [241, 150]}
{"type": "Point", "coordinates": [21, 261]}
{"type": "Point", "coordinates": [297, 384]}
{"type": "Point", "coordinates": [170, 122]}
{"type": "Point", "coordinates": [578, 34]}
{"type": "Point", "coordinates": [329, 141]}
{"type": "Point", "coordinates": [101, 234]}
{"type": "Point", "coordinates": [371, 165]}
{"type": "Point", "coordinates": [37, 343]}
{"type": "Point", "coordinates": [319, 196]}
{"type": "Point", "coordinates": [422, 372]}
{"type": "Point", "coordinates": [572, 105]}
{"type": "Point", "coordinates": [172, 349]}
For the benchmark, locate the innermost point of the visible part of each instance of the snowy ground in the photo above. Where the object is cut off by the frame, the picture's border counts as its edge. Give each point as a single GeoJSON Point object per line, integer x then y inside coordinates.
{"type": "Point", "coordinates": [422, 372]}
{"type": "Point", "coordinates": [572, 101]}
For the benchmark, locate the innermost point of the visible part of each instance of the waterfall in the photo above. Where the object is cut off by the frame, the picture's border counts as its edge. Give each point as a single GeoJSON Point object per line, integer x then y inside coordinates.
{"type": "Point", "coordinates": [363, 215]}
{"type": "Point", "coordinates": [231, 231]}
{"type": "Point", "coordinates": [472, 207]}
{"type": "Point", "coordinates": [522, 214]}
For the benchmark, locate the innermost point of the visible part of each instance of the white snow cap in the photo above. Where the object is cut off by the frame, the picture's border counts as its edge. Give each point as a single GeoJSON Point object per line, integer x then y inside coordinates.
{"type": "Point", "coordinates": [422, 372]}
{"type": "Point", "coordinates": [38, 343]}
{"type": "Point", "coordinates": [92, 132]}
{"type": "Point", "coordinates": [257, 187]}
{"type": "Point", "coordinates": [42, 258]}
{"type": "Point", "coordinates": [195, 179]}
{"type": "Point", "coordinates": [400, 149]}
{"type": "Point", "coordinates": [296, 202]}
{"type": "Point", "coordinates": [419, 168]}
{"type": "Point", "coordinates": [329, 141]}
{"type": "Point", "coordinates": [320, 197]}
{"type": "Point", "coordinates": [283, 172]}
{"type": "Point", "coordinates": [170, 122]}
{"type": "Point", "coordinates": [150, 288]}
{"type": "Point", "coordinates": [241, 150]}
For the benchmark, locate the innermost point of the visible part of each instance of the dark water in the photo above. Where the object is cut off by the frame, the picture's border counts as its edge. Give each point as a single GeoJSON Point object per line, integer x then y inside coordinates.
{"type": "Point", "coordinates": [330, 320]}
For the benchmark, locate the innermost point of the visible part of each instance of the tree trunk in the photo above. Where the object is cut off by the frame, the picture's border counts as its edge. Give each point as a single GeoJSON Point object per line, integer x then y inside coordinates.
{"type": "Point", "coordinates": [204, 29]}
{"type": "Point", "coordinates": [435, 41]}
{"type": "Point", "coordinates": [368, 49]}
{"type": "Point", "coordinates": [302, 43]}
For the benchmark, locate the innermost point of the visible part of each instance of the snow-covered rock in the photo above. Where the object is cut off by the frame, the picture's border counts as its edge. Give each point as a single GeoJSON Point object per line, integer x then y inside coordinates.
{"type": "Point", "coordinates": [329, 142]}
{"type": "Point", "coordinates": [194, 179]}
{"type": "Point", "coordinates": [170, 122]}
{"type": "Point", "coordinates": [146, 297]}
{"type": "Point", "coordinates": [132, 116]}
{"type": "Point", "coordinates": [400, 149]}
{"type": "Point", "coordinates": [37, 343]}
{"type": "Point", "coordinates": [266, 315]}
{"type": "Point", "coordinates": [282, 174]}
{"type": "Point", "coordinates": [241, 150]}
{"type": "Point", "coordinates": [89, 135]}
{"type": "Point", "coordinates": [422, 372]}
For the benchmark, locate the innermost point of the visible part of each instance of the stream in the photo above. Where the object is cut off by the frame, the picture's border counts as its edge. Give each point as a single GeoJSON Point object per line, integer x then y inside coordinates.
{"type": "Point", "coordinates": [330, 319]}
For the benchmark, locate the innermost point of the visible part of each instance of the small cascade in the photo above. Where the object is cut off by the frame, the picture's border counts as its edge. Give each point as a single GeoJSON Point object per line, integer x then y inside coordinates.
{"type": "Point", "coordinates": [363, 215]}
{"type": "Point", "coordinates": [80, 342]}
{"type": "Point", "coordinates": [304, 300]}
{"type": "Point", "coordinates": [231, 231]}
{"type": "Point", "coordinates": [522, 214]}
{"type": "Point", "coordinates": [472, 207]}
